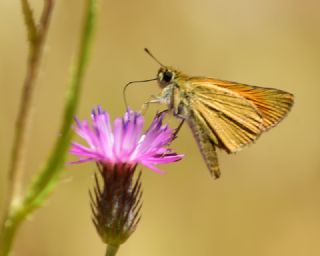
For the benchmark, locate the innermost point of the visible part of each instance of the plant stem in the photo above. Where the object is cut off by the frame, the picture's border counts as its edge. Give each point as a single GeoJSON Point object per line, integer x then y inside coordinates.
{"type": "Point", "coordinates": [112, 250]}
{"type": "Point", "coordinates": [30, 23]}
{"type": "Point", "coordinates": [48, 176]}
{"type": "Point", "coordinates": [36, 39]}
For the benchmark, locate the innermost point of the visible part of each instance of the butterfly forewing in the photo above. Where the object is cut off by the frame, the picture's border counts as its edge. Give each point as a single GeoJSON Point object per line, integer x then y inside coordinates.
{"type": "Point", "coordinates": [229, 117]}
{"type": "Point", "coordinates": [273, 104]}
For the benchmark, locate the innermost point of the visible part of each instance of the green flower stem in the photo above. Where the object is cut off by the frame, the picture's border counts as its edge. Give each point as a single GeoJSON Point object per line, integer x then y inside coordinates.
{"type": "Point", "coordinates": [48, 176]}
{"type": "Point", "coordinates": [112, 250]}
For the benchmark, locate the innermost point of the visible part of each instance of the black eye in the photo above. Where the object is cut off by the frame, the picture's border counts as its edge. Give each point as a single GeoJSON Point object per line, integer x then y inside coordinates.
{"type": "Point", "coordinates": [167, 76]}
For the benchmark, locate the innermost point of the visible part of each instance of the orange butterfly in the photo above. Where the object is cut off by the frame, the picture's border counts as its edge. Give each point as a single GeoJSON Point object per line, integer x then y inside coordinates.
{"type": "Point", "coordinates": [222, 114]}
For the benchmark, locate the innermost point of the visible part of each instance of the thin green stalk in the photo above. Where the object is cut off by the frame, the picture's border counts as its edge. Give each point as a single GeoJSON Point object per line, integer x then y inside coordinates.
{"type": "Point", "coordinates": [112, 250]}
{"type": "Point", "coordinates": [48, 176]}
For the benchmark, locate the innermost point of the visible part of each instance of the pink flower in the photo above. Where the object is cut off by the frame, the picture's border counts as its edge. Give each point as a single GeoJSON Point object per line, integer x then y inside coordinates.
{"type": "Point", "coordinates": [124, 143]}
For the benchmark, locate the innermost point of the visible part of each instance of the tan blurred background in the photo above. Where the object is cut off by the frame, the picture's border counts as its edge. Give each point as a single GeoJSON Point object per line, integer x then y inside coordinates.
{"type": "Point", "coordinates": [267, 201]}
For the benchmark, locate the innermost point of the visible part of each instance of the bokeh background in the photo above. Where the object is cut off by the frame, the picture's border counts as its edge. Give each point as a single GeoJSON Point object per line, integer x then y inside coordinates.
{"type": "Point", "coordinates": [267, 201]}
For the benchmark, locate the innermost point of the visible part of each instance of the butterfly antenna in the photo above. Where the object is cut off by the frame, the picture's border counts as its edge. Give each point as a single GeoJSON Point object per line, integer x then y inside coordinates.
{"type": "Point", "coordinates": [126, 86]}
{"type": "Point", "coordinates": [152, 56]}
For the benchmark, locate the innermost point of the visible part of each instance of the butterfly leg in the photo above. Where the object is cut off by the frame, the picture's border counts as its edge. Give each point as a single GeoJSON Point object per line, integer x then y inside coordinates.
{"type": "Point", "coordinates": [178, 128]}
{"type": "Point", "coordinates": [180, 113]}
{"type": "Point", "coordinates": [153, 99]}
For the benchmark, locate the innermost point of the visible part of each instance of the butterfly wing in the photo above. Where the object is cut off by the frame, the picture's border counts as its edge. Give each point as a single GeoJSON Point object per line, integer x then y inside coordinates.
{"type": "Point", "coordinates": [206, 144]}
{"type": "Point", "coordinates": [272, 103]}
{"type": "Point", "coordinates": [229, 120]}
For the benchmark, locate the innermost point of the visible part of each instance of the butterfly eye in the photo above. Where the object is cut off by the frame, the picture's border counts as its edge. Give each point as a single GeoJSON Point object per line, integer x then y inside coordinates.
{"type": "Point", "coordinates": [167, 76]}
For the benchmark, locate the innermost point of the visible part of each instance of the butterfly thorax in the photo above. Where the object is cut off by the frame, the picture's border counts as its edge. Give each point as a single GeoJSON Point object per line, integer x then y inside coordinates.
{"type": "Point", "coordinates": [175, 93]}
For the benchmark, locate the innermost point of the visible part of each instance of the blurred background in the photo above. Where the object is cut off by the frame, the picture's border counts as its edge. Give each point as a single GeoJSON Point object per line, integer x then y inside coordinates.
{"type": "Point", "coordinates": [267, 201]}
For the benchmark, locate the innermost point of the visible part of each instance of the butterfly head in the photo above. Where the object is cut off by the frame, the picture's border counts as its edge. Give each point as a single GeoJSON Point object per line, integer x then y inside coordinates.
{"type": "Point", "coordinates": [166, 76]}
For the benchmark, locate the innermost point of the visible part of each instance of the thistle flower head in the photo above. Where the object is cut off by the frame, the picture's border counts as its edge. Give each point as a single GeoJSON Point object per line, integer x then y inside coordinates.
{"type": "Point", "coordinates": [117, 151]}
{"type": "Point", "coordinates": [124, 142]}
{"type": "Point", "coordinates": [116, 204]}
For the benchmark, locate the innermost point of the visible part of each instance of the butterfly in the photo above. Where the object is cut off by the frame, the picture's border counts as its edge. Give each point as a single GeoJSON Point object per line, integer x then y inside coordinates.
{"type": "Point", "coordinates": [221, 114]}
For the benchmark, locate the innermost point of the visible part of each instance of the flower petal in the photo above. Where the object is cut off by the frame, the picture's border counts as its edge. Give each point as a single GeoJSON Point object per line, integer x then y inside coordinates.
{"type": "Point", "coordinates": [153, 168]}
{"type": "Point", "coordinates": [124, 143]}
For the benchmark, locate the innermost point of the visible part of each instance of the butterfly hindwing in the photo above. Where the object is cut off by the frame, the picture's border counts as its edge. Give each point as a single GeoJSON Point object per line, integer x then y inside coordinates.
{"type": "Point", "coordinates": [206, 144]}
